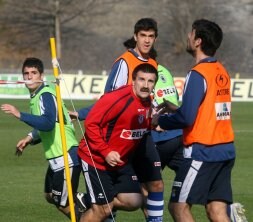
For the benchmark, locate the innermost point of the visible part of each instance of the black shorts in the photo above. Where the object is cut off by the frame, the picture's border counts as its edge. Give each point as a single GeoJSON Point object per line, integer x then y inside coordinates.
{"type": "Point", "coordinates": [55, 183]}
{"type": "Point", "coordinates": [199, 182]}
{"type": "Point", "coordinates": [146, 160]}
{"type": "Point", "coordinates": [171, 152]}
{"type": "Point", "coordinates": [104, 185]}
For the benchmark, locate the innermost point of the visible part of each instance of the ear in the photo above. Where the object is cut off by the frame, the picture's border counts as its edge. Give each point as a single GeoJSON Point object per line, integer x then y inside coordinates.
{"type": "Point", "coordinates": [42, 76]}
{"type": "Point", "coordinates": [135, 37]}
{"type": "Point", "coordinates": [198, 42]}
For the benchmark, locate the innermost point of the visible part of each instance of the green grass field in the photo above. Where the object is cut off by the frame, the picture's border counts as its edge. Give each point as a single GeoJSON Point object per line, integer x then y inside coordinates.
{"type": "Point", "coordinates": [22, 178]}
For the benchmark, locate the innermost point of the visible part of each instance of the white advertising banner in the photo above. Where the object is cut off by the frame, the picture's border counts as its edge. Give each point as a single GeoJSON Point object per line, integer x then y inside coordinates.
{"type": "Point", "coordinates": [91, 87]}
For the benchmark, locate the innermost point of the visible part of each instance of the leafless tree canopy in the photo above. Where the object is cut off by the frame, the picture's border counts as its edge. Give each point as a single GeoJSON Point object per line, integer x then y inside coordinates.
{"type": "Point", "coordinates": [90, 33]}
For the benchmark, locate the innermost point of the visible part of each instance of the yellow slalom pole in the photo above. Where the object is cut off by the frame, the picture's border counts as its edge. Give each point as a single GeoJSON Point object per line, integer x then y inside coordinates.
{"type": "Point", "coordinates": [63, 136]}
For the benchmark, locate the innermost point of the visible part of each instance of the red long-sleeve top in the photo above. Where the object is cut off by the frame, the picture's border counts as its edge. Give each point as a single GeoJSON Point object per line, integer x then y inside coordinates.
{"type": "Point", "coordinates": [117, 122]}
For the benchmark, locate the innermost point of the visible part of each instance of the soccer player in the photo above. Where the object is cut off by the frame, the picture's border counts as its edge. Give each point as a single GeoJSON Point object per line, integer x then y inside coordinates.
{"type": "Point", "coordinates": [168, 143]}
{"type": "Point", "coordinates": [205, 117]}
{"type": "Point", "coordinates": [44, 121]}
{"type": "Point", "coordinates": [113, 130]}
{"type": "Point", "coordinates": [145, 34]}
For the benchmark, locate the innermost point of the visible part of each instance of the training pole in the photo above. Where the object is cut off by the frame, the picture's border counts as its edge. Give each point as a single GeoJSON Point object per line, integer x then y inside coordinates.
{"type": "Point", "coordinates": [63, 136]}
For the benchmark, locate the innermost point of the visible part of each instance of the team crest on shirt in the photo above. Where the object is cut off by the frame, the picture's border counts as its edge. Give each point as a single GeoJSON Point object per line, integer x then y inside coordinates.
{"type": "Point", "coordinates": [162, 78]}
{"type": "Point", "coordinates": [140, 118]}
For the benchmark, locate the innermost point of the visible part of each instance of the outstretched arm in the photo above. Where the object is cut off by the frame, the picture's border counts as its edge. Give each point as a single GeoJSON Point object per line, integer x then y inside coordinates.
{"type": "Point", "coordinates": [10, 109]}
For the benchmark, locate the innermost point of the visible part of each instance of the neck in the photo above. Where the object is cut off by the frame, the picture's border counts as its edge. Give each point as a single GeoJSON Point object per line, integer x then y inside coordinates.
{"type": "Point", "coordinates": [199, 57]}
{"type": "Point", "coordinates": [143, 55]}
{"type": "Point", "coordinates": [34, 91]}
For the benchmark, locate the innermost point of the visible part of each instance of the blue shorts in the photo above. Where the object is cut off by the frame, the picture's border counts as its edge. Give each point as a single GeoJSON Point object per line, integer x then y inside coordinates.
{"type": "Point", "coordinates": [112, 183]}
{"type": "Point", "coordinates": [55, 183]}
{"type": "Point", "coordinates": [171, 152]}
{"type": "Point", "coordinates": [55, 180]}
{"type": "Point", "coordinates": [199, 182]}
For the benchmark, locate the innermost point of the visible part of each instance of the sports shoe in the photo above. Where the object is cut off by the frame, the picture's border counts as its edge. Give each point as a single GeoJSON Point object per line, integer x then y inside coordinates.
{"type": "Point", "coordinates": [237, 213]}
{"type": "Point", "coordinates": [80, 202]}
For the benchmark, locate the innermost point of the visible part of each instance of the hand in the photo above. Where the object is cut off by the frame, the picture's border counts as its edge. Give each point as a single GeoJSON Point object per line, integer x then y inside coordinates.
{"type": "Point", "coordinates": [159, 129]}
{"type": "Point", "coordinates": [167, 106]}
{"type": "Point", "coordinates": [113, 159]}
{"type": "Point", "coordinates": [73, 115]}
{"type": "Point", "coordinates": [22, 144]}
{"type": "Point", "coordinates": [155, 118]}
{"type": "Point", "coordinates": [10, 109]}
{"type": "Point", "coordinates": [156, 112]}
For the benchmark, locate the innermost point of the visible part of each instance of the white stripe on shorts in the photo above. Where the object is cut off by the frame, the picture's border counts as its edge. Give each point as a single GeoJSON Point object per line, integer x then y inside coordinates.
{"type": "Point", "coordinates": [64, 196]}
{"type": "Point", "coordinates": [189, 179]}
{"type": "Point", "coordinates": [88, 181]}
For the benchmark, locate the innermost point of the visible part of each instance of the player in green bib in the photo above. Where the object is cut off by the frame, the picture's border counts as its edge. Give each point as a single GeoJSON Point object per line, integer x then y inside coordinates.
{"type": "Point", "coordinates": [46, 129]}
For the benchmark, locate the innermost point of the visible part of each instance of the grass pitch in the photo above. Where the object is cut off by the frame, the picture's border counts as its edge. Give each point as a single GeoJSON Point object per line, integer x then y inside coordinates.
{"type": "Point", "coordinates": [22, 178]}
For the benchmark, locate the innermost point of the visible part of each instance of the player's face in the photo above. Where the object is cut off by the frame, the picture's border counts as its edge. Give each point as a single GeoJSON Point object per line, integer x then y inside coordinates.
{"type": "Point", "coordinates": [191, 43]}
{"type": "Point", "coordinates": [144, 42]}
{"type": "Point", "coordinates": [144, 84]}
{"type": "Point", "coordinates": [32, 74]}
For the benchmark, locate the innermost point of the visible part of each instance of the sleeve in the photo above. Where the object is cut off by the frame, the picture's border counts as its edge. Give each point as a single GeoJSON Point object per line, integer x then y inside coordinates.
{"type": "Point", "coordinates": [82, 113]}
{"type": "Point", "coordinates": [185, 115]}
{"type": "Point", "coordinates": [118, 76]}
{"type": "Point", "coordinates": [46, 121]}
{"type": "Point", "coordinates": [34, 134]}
{"type": "Point", "coordinates": [101, 114]}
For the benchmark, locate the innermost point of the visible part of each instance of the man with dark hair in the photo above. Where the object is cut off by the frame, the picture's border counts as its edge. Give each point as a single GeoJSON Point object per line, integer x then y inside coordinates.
{"type": "Point", "coordinates": [145, 34]}
{"type": "Point", "coordinates": [113, 130]}
{"type": "Point", "coordinates": [46, 129]}
{"type": "Point", "coordinates": [141, 44]}
{"type": "Point", "coordinates": [168, 143]}
{"type": "Point", "coordinates": [204, 177]}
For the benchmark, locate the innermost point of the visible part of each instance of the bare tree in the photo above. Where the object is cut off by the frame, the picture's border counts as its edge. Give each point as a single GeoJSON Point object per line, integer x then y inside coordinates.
{"type": "Point", "coordinates": [90, 32]}
{"type": "Point", "coordinates": [235, 18]}
{"type": "Point", "coordinates": [26, 25]}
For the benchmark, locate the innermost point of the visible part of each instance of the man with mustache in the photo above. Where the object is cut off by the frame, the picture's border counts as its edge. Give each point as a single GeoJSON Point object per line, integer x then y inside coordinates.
{"type": "Point", "coordinates": [113, 129]}
{"type": "Point", "coordinates": [145, 34]}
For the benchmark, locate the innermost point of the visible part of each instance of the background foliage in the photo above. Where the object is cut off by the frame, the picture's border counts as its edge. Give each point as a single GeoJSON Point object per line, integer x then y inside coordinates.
{"type": "Point", "coordinates": [92, 31]}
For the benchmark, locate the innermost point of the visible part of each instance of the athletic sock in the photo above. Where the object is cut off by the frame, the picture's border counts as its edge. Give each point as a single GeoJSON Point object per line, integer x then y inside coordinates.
{"type": "Point", "coordinates": [229, 210]}
{"type": "Point", "coordinates": [155, 205]}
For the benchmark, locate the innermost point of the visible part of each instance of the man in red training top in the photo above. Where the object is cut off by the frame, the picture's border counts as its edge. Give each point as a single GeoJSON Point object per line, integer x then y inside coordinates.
{"type": "Point", "coordinates": [113, 130]}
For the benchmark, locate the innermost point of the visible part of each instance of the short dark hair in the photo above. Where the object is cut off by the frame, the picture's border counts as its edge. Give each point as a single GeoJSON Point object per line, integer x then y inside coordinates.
{"type": "Point", "coordinates": [146, 68]}
{"type": "Point", "coordinates": [146, 24]}
{"type": "Point", "coordinates": [33, 62]}
{"type": "Point", "coordinates": [210, 33]}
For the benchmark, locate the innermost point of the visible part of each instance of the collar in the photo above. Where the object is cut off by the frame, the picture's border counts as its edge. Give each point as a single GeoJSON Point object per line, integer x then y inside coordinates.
{"type": "Point", "coordinates": [137, 55]}
{"type": "Point", "coordinates": [37, 90]}
{"type": "Point", "coordinates": [208, 59]}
